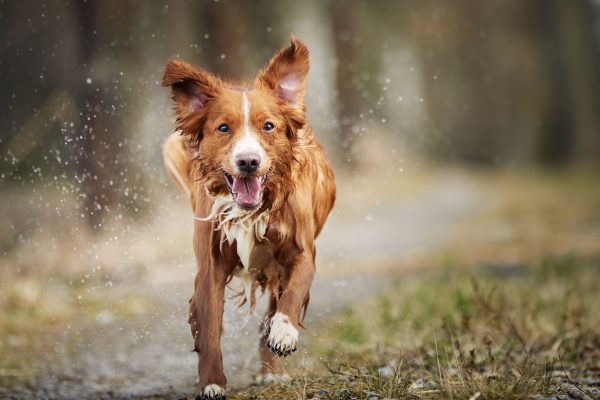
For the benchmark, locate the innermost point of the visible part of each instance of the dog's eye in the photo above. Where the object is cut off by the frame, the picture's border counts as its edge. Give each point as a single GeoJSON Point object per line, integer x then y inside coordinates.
{"type": "Point", "coordinates": [268, 127]}
{"type": "Point", "coordinates": [223, 128]}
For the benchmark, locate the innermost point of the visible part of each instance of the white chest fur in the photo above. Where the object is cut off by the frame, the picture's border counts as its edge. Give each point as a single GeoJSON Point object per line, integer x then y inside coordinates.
{"type": "Point", "coordinates": [247, 230]}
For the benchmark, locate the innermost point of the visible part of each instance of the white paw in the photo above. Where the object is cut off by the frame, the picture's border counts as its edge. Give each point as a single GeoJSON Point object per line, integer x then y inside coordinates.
{"type": "Point", "coordinates": [212, 392]}
{"type": "Point", "coordinates": [271, 378]}
{"type": "Point", "coordinates": [283, 336]}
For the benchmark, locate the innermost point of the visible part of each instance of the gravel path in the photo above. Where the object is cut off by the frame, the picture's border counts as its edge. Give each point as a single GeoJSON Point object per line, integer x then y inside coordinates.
{"type": "Point", "coordinates": [151, 357]}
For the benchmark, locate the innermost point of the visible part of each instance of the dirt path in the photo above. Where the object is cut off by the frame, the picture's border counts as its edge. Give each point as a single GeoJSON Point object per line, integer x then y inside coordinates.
{"type": "Point", "coordinates": [151, 357]}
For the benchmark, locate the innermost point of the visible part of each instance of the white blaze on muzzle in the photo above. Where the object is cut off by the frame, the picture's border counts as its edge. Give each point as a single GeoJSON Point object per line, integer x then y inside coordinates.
{"type": "Point", "coordinates": [248, 143]}
{"type": "Point", "coordinates": [247, 155]}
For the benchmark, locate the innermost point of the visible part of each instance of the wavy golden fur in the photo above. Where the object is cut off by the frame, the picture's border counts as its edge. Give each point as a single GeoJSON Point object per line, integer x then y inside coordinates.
{"type": "Point", "coordinates": [299, 192]}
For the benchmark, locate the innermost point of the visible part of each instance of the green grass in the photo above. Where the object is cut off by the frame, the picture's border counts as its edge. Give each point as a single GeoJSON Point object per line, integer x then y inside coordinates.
{"type": "Point", "coordinates": [487, 333]}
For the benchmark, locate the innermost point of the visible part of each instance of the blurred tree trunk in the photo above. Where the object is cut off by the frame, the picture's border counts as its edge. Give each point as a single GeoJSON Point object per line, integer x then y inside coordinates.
{"type": "Point", "coordinates": [574, 55]}
{"type": "Point", "coordinates": [225, 23]}
{"type": "Point", "coordinates": [102, 165]}
{"type": "Point", "coordinates": [92, 158]}
{"type": "Point", "coordinates": [344, 25]}
{"type": "Point", "coordinates": [463, 102]}
{"type": "Point", "coordinates": [555, 137]}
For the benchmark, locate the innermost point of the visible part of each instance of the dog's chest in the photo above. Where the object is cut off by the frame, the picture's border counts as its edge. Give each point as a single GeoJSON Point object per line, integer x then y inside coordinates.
{"type": "Point", "coordinates": [256, 259]}
{"type": "Point", "coordinates": [246, 231]}
{"type": "Point", "coordinates": [248, 237]}
{"type": "Point", "coordinates": [254, 255]}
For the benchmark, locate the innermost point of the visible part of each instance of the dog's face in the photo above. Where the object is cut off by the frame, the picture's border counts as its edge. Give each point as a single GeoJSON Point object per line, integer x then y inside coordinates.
{"type": "Point", "coordinates": [243, 135]}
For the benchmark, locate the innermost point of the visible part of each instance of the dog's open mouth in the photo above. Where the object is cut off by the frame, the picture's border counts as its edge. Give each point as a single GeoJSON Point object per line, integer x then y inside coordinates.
{"type": "Point", "coordinates": [247, 190]}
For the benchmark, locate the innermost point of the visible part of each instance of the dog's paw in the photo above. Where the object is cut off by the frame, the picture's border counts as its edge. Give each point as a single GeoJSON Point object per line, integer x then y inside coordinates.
{"type": "Point", "coordinates": [283, 336]}
{"type": "Point", "coordinates": [212, 392]}
{"type": "Point", "coordinates": [270, 377]}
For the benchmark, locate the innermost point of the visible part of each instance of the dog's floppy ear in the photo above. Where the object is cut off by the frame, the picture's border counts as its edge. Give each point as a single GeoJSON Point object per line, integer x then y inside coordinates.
{"type": "Point", "coordinates": [191, 87]}
{"type": "Point", "coordinates": [286, 73]}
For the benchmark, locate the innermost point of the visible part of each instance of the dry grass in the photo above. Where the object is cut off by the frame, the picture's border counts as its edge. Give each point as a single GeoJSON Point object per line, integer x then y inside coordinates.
{"type": "Point", "coordinates": [505, 334]}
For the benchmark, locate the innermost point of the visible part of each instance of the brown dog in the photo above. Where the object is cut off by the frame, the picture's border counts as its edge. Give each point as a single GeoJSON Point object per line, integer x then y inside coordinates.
{"type": "Point", "coordinates": [261, 189]}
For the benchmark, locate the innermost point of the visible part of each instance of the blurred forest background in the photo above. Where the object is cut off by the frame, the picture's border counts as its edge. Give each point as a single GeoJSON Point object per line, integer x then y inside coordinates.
{"type": "Point", "coordinates": [467, 126]}
{"type": "Point", "coordinates": [487, 83]}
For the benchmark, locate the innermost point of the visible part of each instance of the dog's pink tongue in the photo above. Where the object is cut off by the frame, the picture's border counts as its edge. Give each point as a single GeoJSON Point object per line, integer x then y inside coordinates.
{"type": "Point", "coordinates": [247, 190]}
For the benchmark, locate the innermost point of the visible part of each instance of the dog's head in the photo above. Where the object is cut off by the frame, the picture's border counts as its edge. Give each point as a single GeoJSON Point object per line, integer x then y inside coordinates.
{"type": "Point", "coordinates": [243, 135]}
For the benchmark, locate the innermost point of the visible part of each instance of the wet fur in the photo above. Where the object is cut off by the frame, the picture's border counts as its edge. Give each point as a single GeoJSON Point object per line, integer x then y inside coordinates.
{"type": "Point", "coordinates": [298, 197]}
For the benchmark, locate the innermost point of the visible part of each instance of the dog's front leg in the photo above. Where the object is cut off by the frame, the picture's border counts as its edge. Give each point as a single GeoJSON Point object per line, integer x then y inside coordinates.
{"type": "Point", "coordinates": [206, 323]}
{"type": "Point", "coordinates": [283, 328]}
{"type": "Point", "coordinates": [271, 369]}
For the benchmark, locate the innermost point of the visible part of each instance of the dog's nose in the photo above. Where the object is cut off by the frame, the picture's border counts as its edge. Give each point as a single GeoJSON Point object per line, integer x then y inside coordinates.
{"type": "Point", "coordinates": [247, 162]}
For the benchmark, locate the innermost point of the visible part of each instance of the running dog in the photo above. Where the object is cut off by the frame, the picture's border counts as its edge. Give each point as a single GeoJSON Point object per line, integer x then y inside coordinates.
{"type": "Point", "coordinates": [261, 189]}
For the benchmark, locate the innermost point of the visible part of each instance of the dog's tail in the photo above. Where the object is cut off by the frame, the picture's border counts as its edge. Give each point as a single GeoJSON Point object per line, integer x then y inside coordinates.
{"type": "Point", "coordinates": [178, 162]}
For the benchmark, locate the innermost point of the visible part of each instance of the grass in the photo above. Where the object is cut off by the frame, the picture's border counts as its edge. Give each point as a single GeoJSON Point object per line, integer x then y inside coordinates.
{"type": "Point", "coordinates": [461, 334]}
